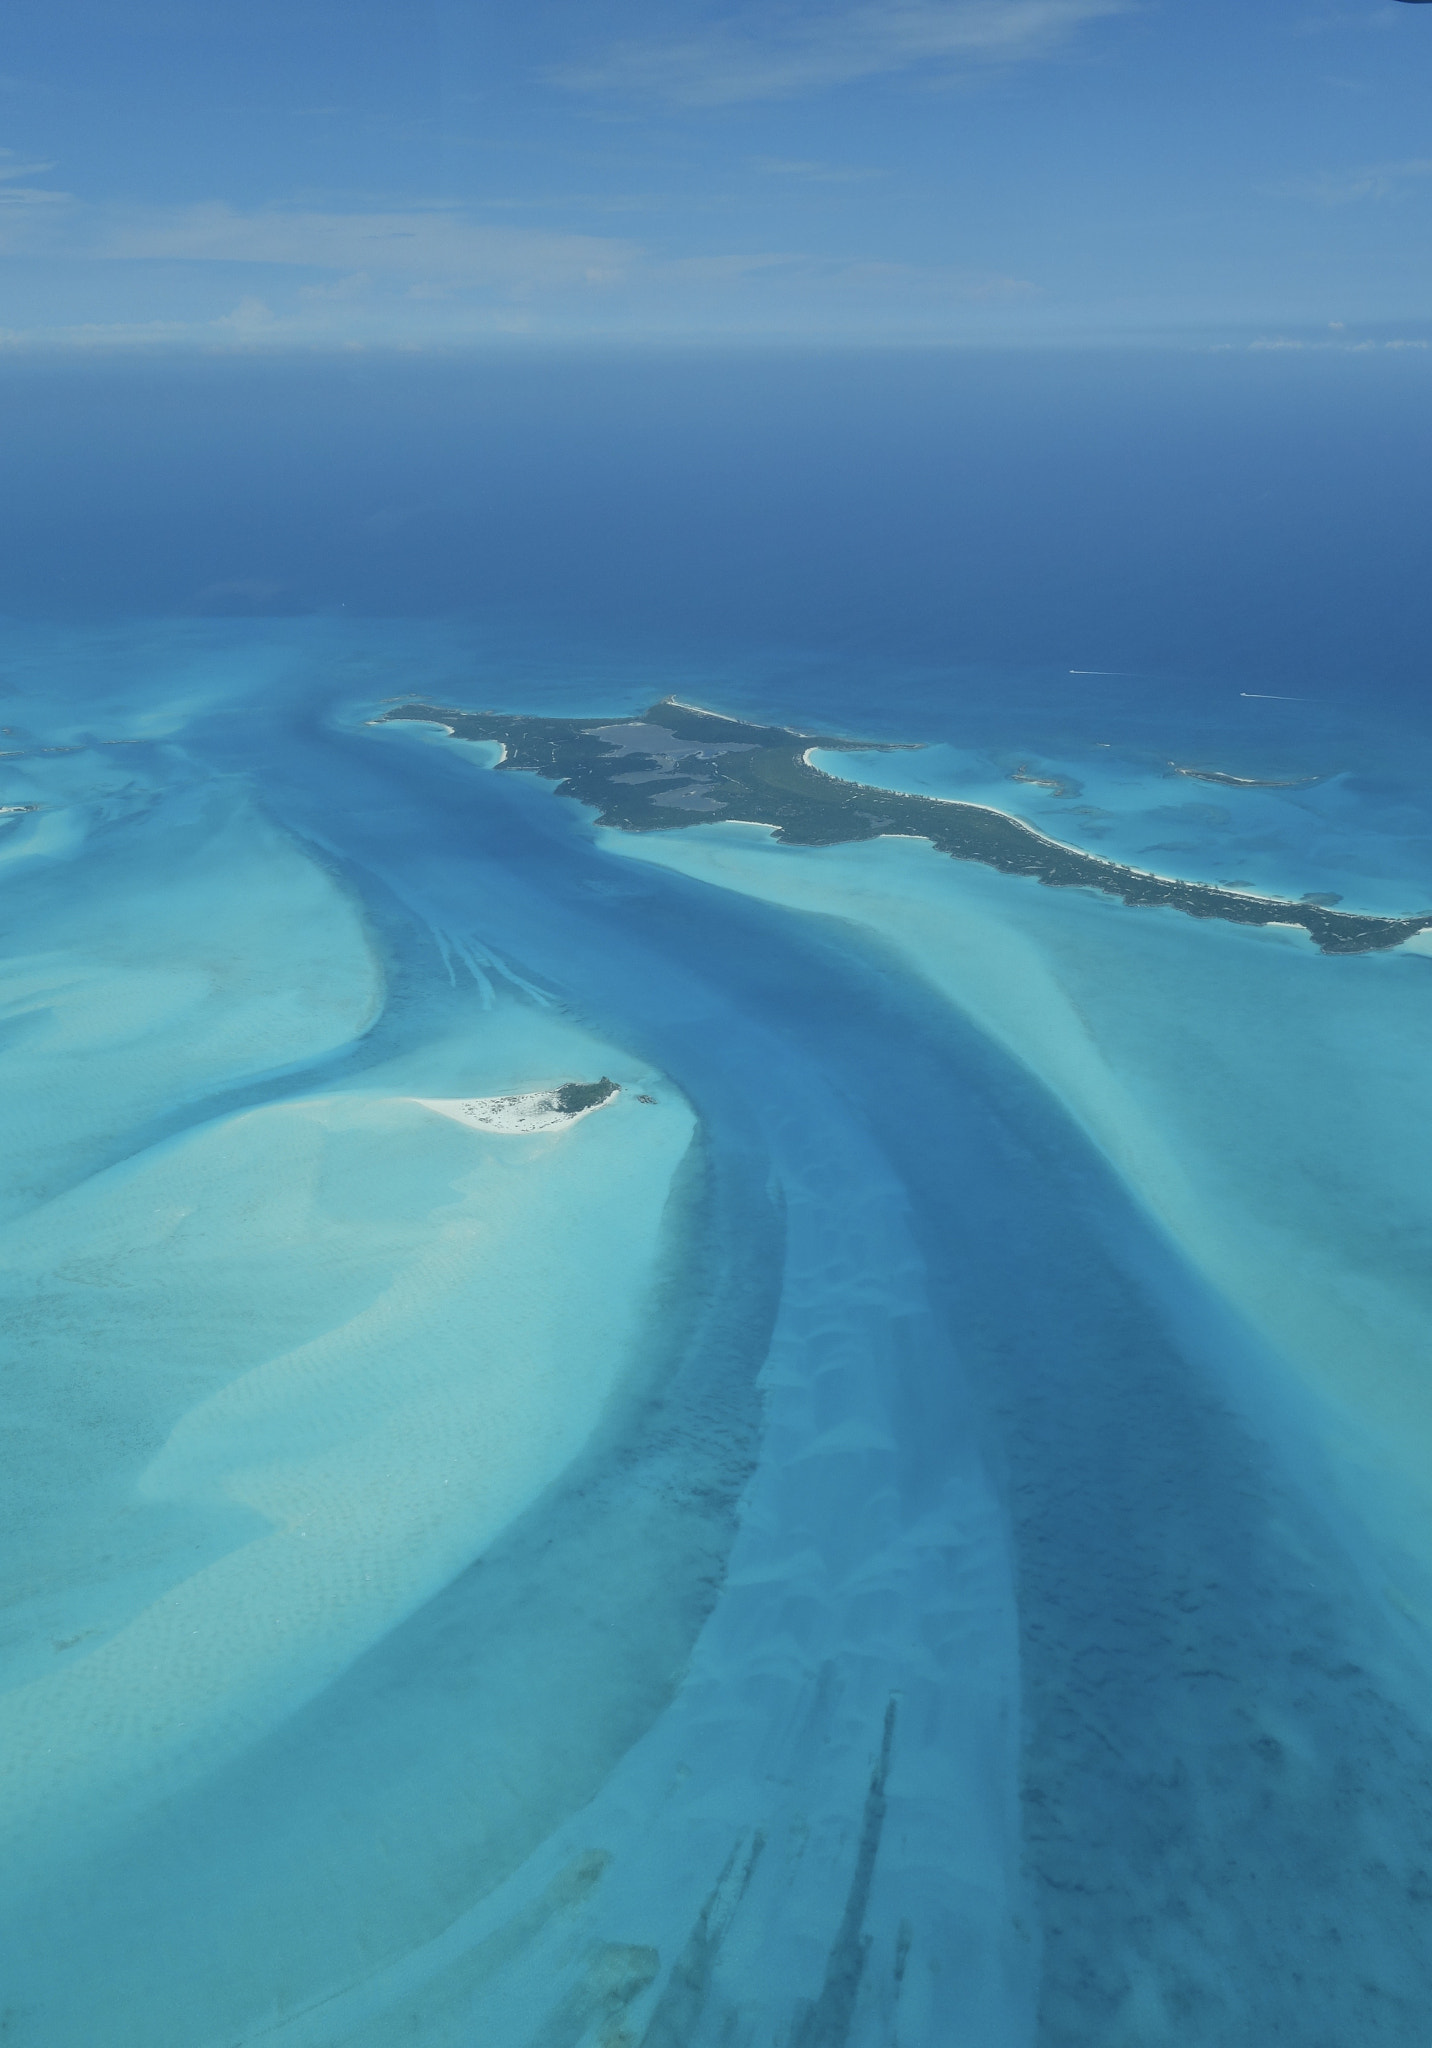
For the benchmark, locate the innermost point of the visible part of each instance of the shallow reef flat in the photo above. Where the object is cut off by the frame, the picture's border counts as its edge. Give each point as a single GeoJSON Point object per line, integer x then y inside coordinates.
{"type": "Point", "coordinates": [195, 954]}
{"type": "Point", "coordinates": [680, 764]}
{"type": "Point", "coordinates": [326, 1470]}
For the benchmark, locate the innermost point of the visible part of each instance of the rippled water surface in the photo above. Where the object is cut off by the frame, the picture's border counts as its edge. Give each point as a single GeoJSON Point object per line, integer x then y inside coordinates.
{"type": "Point", "coordinates": [921, 1531]}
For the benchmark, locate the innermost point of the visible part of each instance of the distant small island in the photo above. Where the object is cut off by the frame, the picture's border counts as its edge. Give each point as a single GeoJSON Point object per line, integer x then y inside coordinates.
{"type": "Point", "coordinates": [1060, 784]}
{"type": "Point", "coordinates": [1243, 781]}
{"type": "Point", "coordinates": [678, 765]}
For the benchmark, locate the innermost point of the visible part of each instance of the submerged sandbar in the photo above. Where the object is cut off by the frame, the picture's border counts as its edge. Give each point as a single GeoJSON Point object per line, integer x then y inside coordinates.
{"type": "Point", "coordinates": [678, 765]}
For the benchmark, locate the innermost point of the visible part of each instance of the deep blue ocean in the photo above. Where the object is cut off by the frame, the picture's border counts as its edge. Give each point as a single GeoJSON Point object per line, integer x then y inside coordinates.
{"type": "Point", "coordinates": [922, 1533]}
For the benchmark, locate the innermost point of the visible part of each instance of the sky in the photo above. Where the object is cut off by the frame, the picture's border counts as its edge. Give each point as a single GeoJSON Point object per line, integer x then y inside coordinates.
{"type": "Point", "coordinates": [434, 174]}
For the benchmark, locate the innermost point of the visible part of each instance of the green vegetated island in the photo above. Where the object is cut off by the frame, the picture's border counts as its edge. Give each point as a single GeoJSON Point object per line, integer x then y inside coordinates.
{"type": "Point", "coordinates": [679, 765]}
{"type": "Point", "coordinates": [575, 1096]}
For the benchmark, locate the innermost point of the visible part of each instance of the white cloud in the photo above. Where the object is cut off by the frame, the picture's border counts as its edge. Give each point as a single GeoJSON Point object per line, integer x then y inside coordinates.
{"type": "Point", "coordinates": [102, 334]}
{"type": "Point", "coordinates": [10, 168]}
{"type": "Point", "coordinates": [1370, 181]}
{"type": "Point", "coordinates": [433, 276]}
{"type": "Point", "coordinates": [18, 197]}
{"type": "Point", "coordinates": [812, 52]}
{"type": "Point", "coordinates": [811, 171]}
{"type": "Point", "coordinates": [437, 247]}
{"type": "Point", "coordinates": [903, 285]}
{"type": "Point", "coordinates": [250, 317]}
{"type": "Point", "coordinates": [31, 219]}
{"type": "Point", "coordinates": [1264, 343]}
{"type": "Point", "coordinates": [1333, 18]}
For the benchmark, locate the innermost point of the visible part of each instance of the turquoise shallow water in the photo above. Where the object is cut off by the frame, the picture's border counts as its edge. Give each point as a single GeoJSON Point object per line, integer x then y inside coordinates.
{"type": "Point", "coordinates": [1314, 835]}
{"type": "Point", "coordinates": [920, 1533]}
{"type": "Point", "coordinates": [917, 1535]}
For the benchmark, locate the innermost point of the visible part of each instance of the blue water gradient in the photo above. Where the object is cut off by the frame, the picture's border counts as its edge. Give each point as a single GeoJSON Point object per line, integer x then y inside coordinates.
{"type": "Point", "coordinates": [919, 1535]}
{"type": "Point", "coordinates": [929, 1401]}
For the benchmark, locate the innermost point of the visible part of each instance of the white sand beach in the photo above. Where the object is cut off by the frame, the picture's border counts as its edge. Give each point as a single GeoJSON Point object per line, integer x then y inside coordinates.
{"type": "Point", "coordinates": [512, 1115]}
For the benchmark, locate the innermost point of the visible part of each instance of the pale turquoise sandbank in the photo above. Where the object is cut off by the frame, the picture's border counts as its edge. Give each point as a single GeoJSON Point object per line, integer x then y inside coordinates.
{"type": "Point", "coordinates": [1268, 1105]}
{"type": "Point", "coordinates": [346, 1341]}
{"type": "Point", "coordinates": [151, 979]}
{"type": "Point", "coordinates": [476, 1297]}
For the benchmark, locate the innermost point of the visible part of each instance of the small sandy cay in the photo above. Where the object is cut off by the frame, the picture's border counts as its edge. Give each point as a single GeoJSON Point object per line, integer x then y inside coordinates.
{"type": "Point", "coordinates": [547, 1109]}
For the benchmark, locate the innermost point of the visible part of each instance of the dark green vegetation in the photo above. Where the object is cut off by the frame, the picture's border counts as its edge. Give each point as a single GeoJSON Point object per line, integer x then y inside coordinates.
{"type": "Point", "coordinates": [576, 1095]}
{"type": "Point", "coordinates": [680, 766]}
